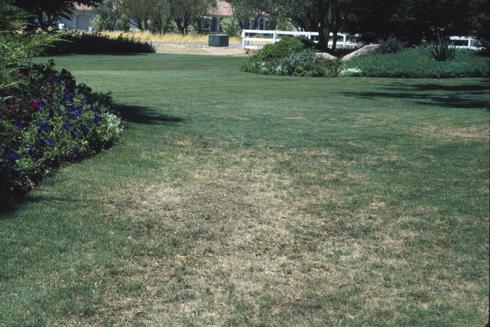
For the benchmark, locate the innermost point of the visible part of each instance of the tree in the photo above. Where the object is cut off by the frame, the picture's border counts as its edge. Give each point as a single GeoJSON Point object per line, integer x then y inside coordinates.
{"type": "Point", "coordinates": [322, 16]}
{"type": "Point", "coordinates": [185, 12]}
{"type": "Point", "coordinates": [246, 9]}
{"type": "Point", "coordinates": [161, 16]}
{"type": "Point", "coordinates": [139, 12]}
{"type": "Point", "coordinates": [46, 12]}
{"type": "Point", "coordinates": [106, 18]}
{"type": "Point", "coordinates": [412, 21]}
{"type": "Point", "coordinates": [480, 21]}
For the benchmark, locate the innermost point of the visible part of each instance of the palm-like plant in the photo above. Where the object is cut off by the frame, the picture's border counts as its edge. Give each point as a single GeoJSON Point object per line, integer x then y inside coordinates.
{"type": "Point", "coordinates": [443, 50]}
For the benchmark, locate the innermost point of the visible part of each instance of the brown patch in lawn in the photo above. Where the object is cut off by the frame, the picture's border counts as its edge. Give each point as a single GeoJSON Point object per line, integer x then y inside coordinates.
{"type": "Point", "coordinates": [243, 242]}
{"type": "Point", "coordinates": [453, 132]}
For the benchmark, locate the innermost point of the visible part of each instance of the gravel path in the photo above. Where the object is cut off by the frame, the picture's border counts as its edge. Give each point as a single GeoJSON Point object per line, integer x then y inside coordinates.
{"type": "Point", "coordinates": [198, 49]}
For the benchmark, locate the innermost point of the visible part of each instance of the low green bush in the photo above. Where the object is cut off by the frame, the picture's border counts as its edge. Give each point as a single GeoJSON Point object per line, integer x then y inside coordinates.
{"type": "Point", "coordinates": [290, 56]}
{"type": "Point", "coordinates": [419, 63]}
{"type": "Point", "coordinates": [391, 45]}
{"type": "Point", "coordinates": [285, 47]}
{"type": "Point", "coordinates": [96, 43]}
{"type": "Point", "coordinates": [47, 119]}
{"type": "Point", "coordinates": [230, 26]}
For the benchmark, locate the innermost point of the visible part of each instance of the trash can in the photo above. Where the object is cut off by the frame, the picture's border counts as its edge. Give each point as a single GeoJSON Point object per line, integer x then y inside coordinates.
{"type": "Point", "coordinates": [218, 40]}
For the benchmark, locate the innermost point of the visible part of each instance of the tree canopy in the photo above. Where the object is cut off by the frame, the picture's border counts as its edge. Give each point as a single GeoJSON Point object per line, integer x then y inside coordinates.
{"type": "Point", "coordinates": [408, 20]}
{"type": "Point", "coordinates": [46, 12]}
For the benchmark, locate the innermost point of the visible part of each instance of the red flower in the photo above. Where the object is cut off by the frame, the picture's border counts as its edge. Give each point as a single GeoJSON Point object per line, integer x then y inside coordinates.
{"type": "Point", "coordinates": [35, 106]}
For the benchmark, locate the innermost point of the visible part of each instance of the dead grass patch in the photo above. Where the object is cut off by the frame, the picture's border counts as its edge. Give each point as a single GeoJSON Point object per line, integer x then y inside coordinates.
{"type": "Point", "coordinates": [453, 132]}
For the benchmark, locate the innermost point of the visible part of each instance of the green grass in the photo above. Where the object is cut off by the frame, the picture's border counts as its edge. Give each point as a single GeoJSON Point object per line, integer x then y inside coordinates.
{"type": "Point", "coordinates": [419, 63]}
{"type": "Point", "coordinates": [242, 199]}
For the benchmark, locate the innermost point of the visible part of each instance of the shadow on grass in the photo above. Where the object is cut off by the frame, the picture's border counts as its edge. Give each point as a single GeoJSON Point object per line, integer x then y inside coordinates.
{"type": "Point", "coordinates": [469, 96]}
{"type": "Point", "coordinates": [145, 115]}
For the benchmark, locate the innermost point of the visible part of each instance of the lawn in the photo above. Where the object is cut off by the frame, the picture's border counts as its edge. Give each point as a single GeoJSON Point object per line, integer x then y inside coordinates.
{"type": "Point", "coordinates": [243, 199]}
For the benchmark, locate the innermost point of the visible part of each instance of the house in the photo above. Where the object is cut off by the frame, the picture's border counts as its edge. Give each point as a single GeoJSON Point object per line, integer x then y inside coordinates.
{"type": "Point", "coordinates": [212, 22]}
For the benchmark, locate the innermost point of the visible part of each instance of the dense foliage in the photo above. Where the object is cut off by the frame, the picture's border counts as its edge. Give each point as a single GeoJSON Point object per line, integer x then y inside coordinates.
{"type": "Point", "coordinates": [419, 62]}
{"type": "Point", "coordinates": [93, 43]}
{"type": "Point", "coordinates": [412, 21]}
{"type": "Point", "coordinates": [44, 13]}
{"type": "Point", "coordinates": [391, 45]}
{"type": "Point", "coordinates": [46, 120]}
{"type": "Point", "coordinates": [290, 56]}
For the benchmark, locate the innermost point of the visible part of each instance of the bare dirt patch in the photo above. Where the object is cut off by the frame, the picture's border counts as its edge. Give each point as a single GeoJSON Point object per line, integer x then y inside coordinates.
{"type": "Point", "coordinates": [199, 50]}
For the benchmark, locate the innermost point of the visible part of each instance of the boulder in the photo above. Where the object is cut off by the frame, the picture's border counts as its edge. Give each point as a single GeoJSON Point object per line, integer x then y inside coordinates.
{"type": "Point", "coordinates": [325, 55]}
{"type": "Point", "coordinates": [366, 50]}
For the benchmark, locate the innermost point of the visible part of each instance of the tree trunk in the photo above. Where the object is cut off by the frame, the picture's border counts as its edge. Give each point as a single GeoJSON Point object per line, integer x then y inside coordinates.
{"type": "Point", "coordinates": [323, 37]}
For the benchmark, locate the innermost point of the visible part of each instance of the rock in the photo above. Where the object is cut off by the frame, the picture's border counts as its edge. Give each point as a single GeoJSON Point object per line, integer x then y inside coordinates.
{"type": "Point", "coordinates": [366, 50]}
{"type": "Point", "coordinates": [325, 55]}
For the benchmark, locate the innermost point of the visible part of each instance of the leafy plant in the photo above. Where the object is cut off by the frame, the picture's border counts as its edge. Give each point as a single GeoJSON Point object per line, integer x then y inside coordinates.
{"type": "Point", "coordinates": [391, 45]}
{"type": "Point", "coordinates": [285, 47]}
{"type": "Point", "coordinates": [442, 50]}
{"type": "Point", "coordinates": [230, 26]}
{"type": "Point", "coordinates": [16, 45]}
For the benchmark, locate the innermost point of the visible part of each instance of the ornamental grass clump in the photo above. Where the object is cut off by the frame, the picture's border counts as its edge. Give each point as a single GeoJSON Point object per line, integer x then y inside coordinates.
{"type": "Point", "coordinates": [442, 50]}
{"type": "Point", "coordinates": [45, 120]}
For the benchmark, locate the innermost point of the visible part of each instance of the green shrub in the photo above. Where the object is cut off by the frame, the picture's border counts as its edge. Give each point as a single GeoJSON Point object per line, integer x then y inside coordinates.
{"type": "Point", "coordinates": [300, 63]}
{"type": "Point", "coordinates": [306, 63]}
{"type": "Point", "coordinates": [419, 63]}
{"type": "Point", "coordinates": [96, 43]}
{"type": "Point", "coordinates": [285, 47]}
{"type": "Point", "coordinates": [391, 45]}
{"type": "Point", "coordinates": [291, 56]}
{"type": "Point", "coordinates": [46, 119]}
{"type": "Point", "coordinates": [230, 26]}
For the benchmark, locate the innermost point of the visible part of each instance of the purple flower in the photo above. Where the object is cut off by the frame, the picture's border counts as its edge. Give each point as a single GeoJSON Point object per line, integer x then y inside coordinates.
{"type": "Point", "coordinates": [43, 127]}
{"type": "Point", "coordinates": [67, 125]}
{"type": "Point", "coordinates": [76, 133]}
{"type": "Point", "coordinates": [84, 129]}
{"type": "Point", "coordinates": [4, 146]}
{"type": "Point", "coordinates": [74, 115]}
{"type": "Point", "coordinates": [40, 104]}
{"type": "Point", "coordinates": [67, 95]}
{"type": "Point", "coordinates": [28, 149]}
{"type": "Point", "coordinates": [96, 109]}
{"type": "Point", "coordinates": [20, 124]}
{"type": "Point", "coordinates": [97, 120]}
{"type": "Point", "coordinates": [12, 155]}
{"type": "Point", "coordinates": [56, 79]}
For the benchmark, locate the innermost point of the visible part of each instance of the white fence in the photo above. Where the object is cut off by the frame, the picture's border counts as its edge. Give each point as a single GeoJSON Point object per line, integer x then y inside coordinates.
{"type": "Point", "coordinates": [465, 42]}
{"type": "Point", "coordinates": [256, 39]}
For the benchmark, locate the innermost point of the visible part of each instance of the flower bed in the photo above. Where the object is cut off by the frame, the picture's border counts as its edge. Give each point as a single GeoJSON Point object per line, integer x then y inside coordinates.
{"type": "Point", "coordinates": [46, 119]}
